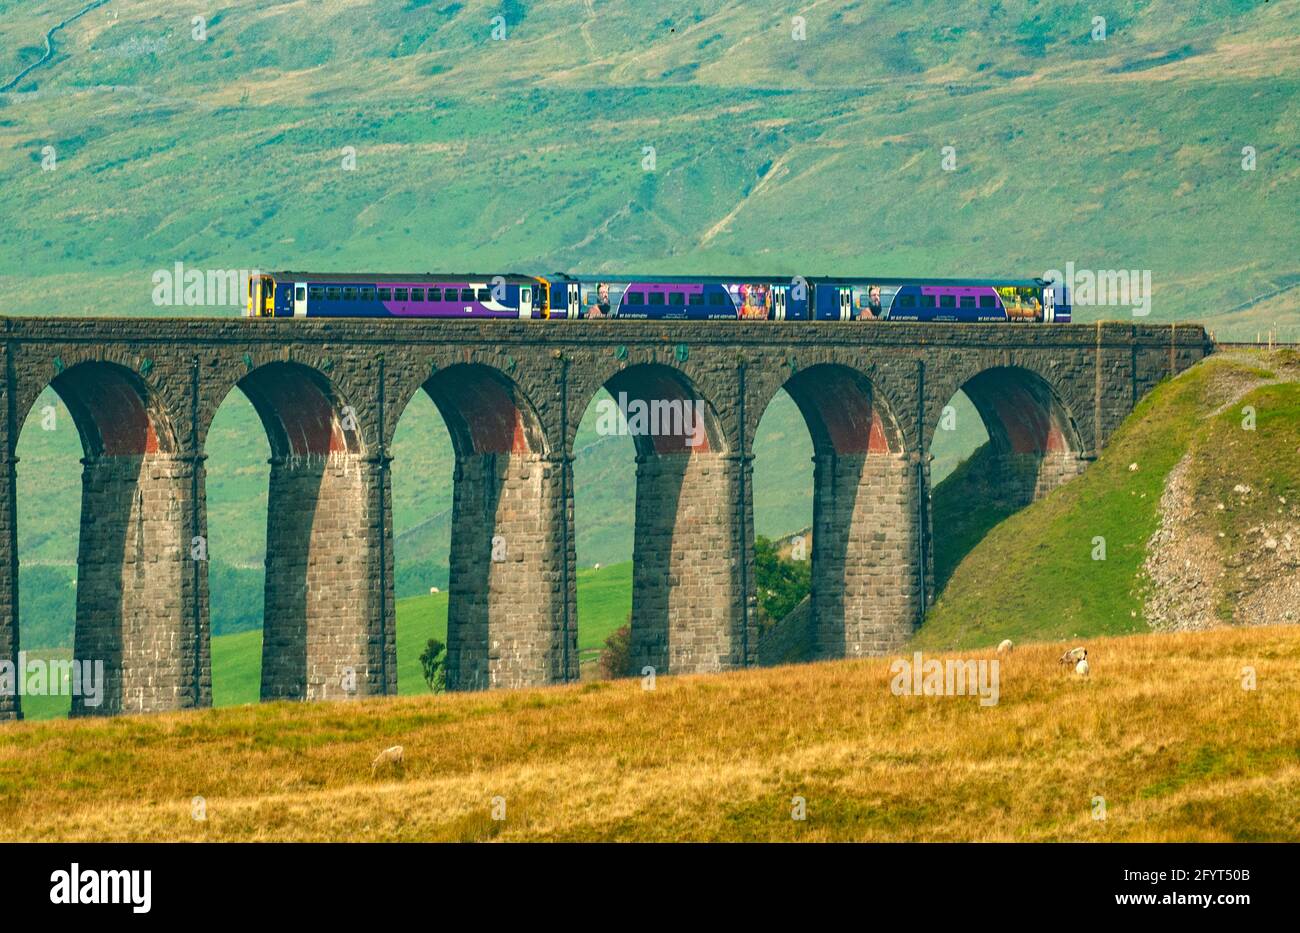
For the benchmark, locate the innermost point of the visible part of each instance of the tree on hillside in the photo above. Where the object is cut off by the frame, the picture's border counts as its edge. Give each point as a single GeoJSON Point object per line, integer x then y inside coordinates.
{"type": "Point", "coordinates": [616, 657]}
{"type": "Point", "coordinates": [433, 659]}
{"type": "Point", "coordinates": [782, 583]}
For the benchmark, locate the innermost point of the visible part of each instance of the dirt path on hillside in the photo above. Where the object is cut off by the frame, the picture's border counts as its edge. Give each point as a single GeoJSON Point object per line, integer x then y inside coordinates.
{"type": "Point", "coordinates": [1185, 566]}
{"type": "Point", "coordinates": [49, 45]}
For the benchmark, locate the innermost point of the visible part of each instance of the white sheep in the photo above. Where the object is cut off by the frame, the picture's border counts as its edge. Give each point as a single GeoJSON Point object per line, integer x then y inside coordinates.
{"type": "Point", "coordinates": [389, 756]}
{"type": "Point", "coordinates": [1005, 645]}
{"type": "Point", "coordinates": [1074, 656]}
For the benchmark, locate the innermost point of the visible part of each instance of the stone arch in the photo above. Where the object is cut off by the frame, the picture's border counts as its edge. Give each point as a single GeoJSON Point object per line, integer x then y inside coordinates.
{"type": "Point", "coordinates": [678, 419]}
{"type": "Point", "coordinates": [304, 413]}
{"type": "Point", "coordinates": [486, 411]}
{"type": "Point", "coordinates": [844, 411]}
{"type": "Point", "coordinates": [866, 569]}
{"type": "Point", "coordinates": [1035, 443]}
{"type": "Point", "coordinates": [328, 615]}
{"type": "Point", "coordinates": [137, 601]}
{"type": "Point", "coordinates": [117, 412]}
{"type": "Point", "coordinates": [511, 614]}
{"type": "Point", "coordinates": [690, 594]}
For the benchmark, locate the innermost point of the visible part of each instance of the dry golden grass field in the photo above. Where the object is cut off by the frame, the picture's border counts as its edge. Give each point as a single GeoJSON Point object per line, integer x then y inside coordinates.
{"type": "Point", "coordinates": [1163, 730]}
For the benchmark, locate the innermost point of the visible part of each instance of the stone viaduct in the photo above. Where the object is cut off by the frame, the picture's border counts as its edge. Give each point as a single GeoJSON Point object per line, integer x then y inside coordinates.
{"type": "Point", "coordinates": [143, 394]}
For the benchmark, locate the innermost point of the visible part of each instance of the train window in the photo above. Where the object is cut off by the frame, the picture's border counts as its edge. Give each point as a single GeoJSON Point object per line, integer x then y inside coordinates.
{"type": "Point", "coordinates": [334, 293]}
{"type": "Point", "coordinates": [927, 301]}
{"type": "Point", "coordinates": [968, 301]}
{"type": "Point", "coordinates": [717, 299]}
{"type": "Point", "coordinates": [988, 301]}
{"type": "Point", "coordinates": [385, 294]}
{"type": "Point", "coordinates": [467, 294]}
{"type": "Point", "coordinates": [483, 294]}
{"type": "Point", "coordinates": [526, 295]}
{"type": "Point", "coordinates": [676, 298]}
{"type": "Point", "coordinates": [315, 292]}
{"type": "Point", "coordinates": [907, 301]}
{"type": "Point", "coordinates": [435, 294]}
{"type": "Point", "coordinates": [947, 301]}
{"type": "Point", "coordinates": [695, 298]}
{"type": "Point", "coordinates": [656, 298]}
{"type": "Point", "coordinates": [300, 293]}
{"type": "Point", "coordinates": [349, 294]}
{"type": "Point", "coordinates": [366, 293]}
{"type": "Point", "coordinates": [636, 298]}
{"type": "Point", "coordinates": [417, 294]}
{"type": "Point", "coordinates": [399, 294]}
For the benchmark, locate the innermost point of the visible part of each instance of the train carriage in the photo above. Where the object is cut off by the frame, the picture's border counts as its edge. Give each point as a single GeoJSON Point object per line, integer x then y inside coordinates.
{"type": "Point", "coordinates": [679, 297]}
{"type": "Point", "coordinates": [672, 297]}
{"type": "Point", "coordinates": [458, 295]}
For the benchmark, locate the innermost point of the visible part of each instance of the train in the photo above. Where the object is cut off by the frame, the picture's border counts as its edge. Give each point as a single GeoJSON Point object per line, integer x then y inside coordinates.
{"type": "Point", "coordinates": [471, 296]}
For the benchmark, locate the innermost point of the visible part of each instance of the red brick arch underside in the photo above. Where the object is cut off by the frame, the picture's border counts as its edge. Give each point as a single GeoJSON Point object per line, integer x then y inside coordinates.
{"type": "Point", "coordinates": [652, 384]}
{"type": "Point", "coordinates": [302, 411]}
{"type": "Point", "coordinates": [113, 410]}
{"type": "Point", "coordinates": [843, 412]}
{"type": "Point", "coordinates": [1021, 412]}
{"type": "Point", "coordinates": [485, 411]}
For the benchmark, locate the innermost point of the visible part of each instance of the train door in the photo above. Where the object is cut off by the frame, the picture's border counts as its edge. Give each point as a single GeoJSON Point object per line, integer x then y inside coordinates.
{"type": "Point", "coordinates": [846, 304]}
{"type": "Point", "coordinates": [778, 302]}
{"type": "Point", "coordinates": [525, 303]}
{"type": "Point", "coordinates": [299, 299]}
{"type": "Point", "coordinates": [1049, 305]}
{"type": "Point", "coordinates": [575, 300]}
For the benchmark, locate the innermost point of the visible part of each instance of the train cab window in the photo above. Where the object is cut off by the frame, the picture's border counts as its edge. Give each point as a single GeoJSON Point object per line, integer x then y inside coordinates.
{"type": "Point", "coordinates": [988, 301]}
{"type": "Point", "coordinates": [417, 294]}
{"type": "Point", "coordinates": [366, 293]}
{"type": "Point", "coordinates": [467, 294]}
{"type": "Point", "coordinates": [349, 294]}
{"type": "Point", "coordinates": [435, 294]}
{"type": "Point", "coordinates": [399, 294]}
{"type": "Point", "coordinates": [676, 298]}
{"type": "Point", "coordinates": [635, 298]}
{"type": "Point", "coordinates": [947, 301]}
{"type": "Point", "coordinates": [316, 292]}
{"type": "Point", "coordinates": [968, 301]}
{"type": "Point", "coordinates": [483, 295]}
{"type": "Point", "coordinates": [334, 293]}
{"type": "Point", "coordinates": [656, 298]}
{"type": "Point", "coordinates": [695, 298]}
{"type": "Point", "coordinates": [717, 299]}
{"type": "Point", "coordinates": [385, 294]}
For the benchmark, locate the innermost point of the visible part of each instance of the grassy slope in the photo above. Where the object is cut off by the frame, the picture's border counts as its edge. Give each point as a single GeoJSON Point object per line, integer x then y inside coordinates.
{"type": "Point", "coordinates": [604, 601]}
{"type": "Point", "coordinates": [1033, 576]}
{"type": "Point", "coordinates": [227, 153]}
{"type": "Point", "coordinates": [1162, 730]}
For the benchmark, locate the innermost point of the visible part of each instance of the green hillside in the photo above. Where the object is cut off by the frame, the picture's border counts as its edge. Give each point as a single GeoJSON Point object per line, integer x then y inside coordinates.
{"type": "Point", "coordinates": [770, 152]}
{"type": "Point", "coordinates": [604, 602]}
{"type": "Point", "coordinates": [1034, 576]}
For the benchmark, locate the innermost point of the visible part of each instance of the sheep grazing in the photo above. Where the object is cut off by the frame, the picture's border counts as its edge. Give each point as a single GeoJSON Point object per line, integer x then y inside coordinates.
{"type": "Point", "coordinates": [1082, 667]}
{"type": "Point", "coordinates": [389, 756]}
{"type": "Point", "coordinates": [1004, 646]}
{"type": "Point", "coordinates": [1074, 656]}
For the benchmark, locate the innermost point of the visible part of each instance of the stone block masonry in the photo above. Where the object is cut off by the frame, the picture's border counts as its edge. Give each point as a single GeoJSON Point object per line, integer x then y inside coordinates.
{"type": "Point", "coordinates": [330, 394]}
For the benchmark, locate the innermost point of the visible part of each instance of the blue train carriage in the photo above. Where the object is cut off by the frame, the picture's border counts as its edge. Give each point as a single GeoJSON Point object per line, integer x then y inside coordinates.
{"type": "Point", "coordinates": [679, 297]}
{"type": "Point", "coordinates": [438, 295]}
{"type": "Point", "coordinates": [947, 300]}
